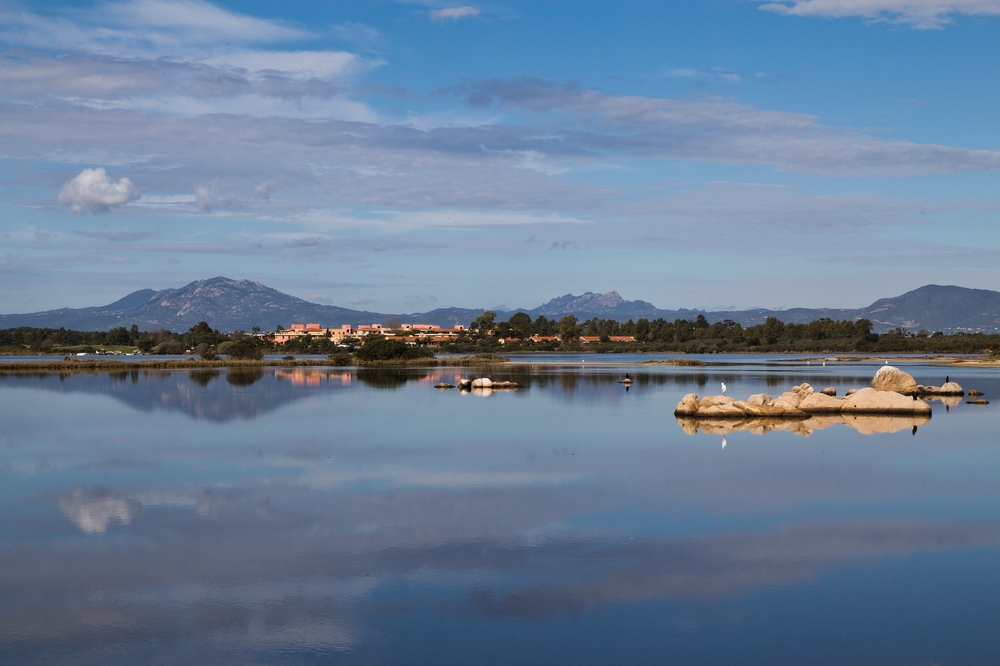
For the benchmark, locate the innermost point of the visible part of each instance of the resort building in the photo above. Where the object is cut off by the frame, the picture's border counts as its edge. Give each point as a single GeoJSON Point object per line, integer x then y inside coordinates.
{"type": "Point", "coordinates": [412, 332]}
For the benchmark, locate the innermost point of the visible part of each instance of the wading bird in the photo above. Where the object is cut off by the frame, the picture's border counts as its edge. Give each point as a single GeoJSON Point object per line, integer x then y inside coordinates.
{"type": "Point", "coordinates": [723, 388]}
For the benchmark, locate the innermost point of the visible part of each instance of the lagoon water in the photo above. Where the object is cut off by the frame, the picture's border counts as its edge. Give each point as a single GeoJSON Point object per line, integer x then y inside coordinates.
{"type": "Point", "coordinates": [331, 515]}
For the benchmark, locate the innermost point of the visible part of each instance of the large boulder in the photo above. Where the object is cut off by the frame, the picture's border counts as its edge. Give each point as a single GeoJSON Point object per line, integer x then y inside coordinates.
{"type": "Point", "coordinates": [890, 378]}
{"type": "Point", "coordinates": [688, 406]}
{"type": "Point", "coordinates": [720, 406]}
{"type": "Point", "coordinates": [482, 382]}
{"type": "Point", "coordinates": [872, 401]}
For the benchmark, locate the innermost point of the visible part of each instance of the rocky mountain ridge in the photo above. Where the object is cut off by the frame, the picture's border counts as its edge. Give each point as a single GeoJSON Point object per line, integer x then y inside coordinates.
{"type": "Point", "coordinates": [231, 305]}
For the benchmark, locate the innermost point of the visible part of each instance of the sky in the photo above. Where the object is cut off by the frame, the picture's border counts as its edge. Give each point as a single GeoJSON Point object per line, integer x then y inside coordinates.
{"type": "Point", "coordinates": [400, 156]}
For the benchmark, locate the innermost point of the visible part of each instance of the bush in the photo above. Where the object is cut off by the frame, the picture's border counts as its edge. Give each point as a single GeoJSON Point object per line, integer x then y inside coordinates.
{"type": "Point", "coordinates": [244, 350]}
{"type": "Point", "coordinates": [377, 348]}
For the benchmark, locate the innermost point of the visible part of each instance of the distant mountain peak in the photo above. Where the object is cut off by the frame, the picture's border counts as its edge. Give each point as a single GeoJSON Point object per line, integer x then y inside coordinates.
{"type": "Point", "coordinates": [231, 305]}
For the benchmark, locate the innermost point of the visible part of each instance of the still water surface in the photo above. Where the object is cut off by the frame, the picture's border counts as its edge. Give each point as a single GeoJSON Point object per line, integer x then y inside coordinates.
{"type": "Point", "coordinates": [361, 516]}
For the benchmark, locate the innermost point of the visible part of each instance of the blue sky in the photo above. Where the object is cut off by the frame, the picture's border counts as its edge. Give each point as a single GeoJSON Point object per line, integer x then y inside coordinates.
{"type": "Point", "coordinates": [402, 156]}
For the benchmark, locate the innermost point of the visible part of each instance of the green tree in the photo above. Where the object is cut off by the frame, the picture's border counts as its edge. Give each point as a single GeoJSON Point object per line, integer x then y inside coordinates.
{"type": "Point", "coordinates": [569, 330]}
{"type": "Point", "coordinates": [520, 325]}
{"type": "Point", "coordinates": [484, 322]}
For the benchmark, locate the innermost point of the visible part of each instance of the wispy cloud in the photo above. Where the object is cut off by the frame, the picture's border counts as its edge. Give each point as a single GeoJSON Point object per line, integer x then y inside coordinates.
{"type": "Point", "coordinates": [453, 13]}
{"type": "Point", "coordinates": [137, 28]}
{"type": "Point", "coordinates": [922, 14]}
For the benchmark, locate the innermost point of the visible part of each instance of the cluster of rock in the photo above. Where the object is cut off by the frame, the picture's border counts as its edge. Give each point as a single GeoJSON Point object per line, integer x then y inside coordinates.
{"type": "Point", "coordinates": [483, 383]}
{"type": "Point", "coordinates": [802, 402]}
{"type": "Point", "coordinates": [889, 378]}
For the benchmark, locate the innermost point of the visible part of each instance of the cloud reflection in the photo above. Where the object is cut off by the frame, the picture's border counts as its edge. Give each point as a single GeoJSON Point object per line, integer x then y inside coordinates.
{"type": "Point", "coordinates": [93, 510]}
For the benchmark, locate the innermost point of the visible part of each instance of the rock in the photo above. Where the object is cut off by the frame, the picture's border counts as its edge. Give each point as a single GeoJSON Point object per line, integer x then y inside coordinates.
{"type": "Point", "coordinates": [890, 378]}
{"type": "Point", "coordinates": [715, 400]}
{"type": "Point", "coordinates": [726, 410]}
{"type": "Point", "coordinates": [688, 406]}
{"type": "Point", "coordinates": [820, 403]}
{"type": "Point", "coordinates": [465, 384]}
{"type": "Point", "coordinates": [872, 401]}
{"type": "Point", "coordinates": [769, 411]}
{"type": "Point", "coordinates": [444, 386]}
{"type": "Point", "coordinates": [829, 390]}
{"type": "Point", "coordinates": [723, 407]}
{"type": "Point", "coordinates": [980, 401]}
{"type": "Point", "coordinates": [951, 388]}
{"type": "Point", "coordinates": [482, 382]}
{"type": "Point", "coordinates": [850, 392]}
{"type": "Point", "coordinates": [789, 398]}
{"type": "Point", "coordinates": [505, 385]}
{"type": "Point", "coordinates": [973, 393]}
{"type": "Point", "coordinates": [759, 399]}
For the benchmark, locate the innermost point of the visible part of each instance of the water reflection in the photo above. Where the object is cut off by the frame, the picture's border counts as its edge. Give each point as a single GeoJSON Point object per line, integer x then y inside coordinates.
{"type": "Point", "coordinates": [309, 514]}
{"type": "Point", "coordinates": [862, 423]}
{"type": "Point", "coordinates": [93, 510]}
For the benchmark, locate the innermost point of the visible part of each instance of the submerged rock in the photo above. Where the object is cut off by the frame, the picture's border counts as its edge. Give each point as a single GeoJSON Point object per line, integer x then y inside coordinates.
{"type": "Point", "coordinates": [444, 386]}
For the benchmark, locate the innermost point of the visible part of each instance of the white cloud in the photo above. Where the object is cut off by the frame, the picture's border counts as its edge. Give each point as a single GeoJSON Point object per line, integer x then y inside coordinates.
{"type": "Point", "coordinates": [453, 13]}
{"type": "Point", "coordinates": [923, 14]}
{"type": "Point", "coordinates": [137, 28]}
{"type": "Point", "coordinates": [93, 191]}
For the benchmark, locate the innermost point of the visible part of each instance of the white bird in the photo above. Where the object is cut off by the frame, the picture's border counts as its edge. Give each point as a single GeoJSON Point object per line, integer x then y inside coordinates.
{"type": "Point", "coordinates": [723, 388]}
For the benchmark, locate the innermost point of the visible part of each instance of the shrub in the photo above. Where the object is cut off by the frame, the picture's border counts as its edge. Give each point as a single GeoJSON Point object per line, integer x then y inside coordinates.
{"type": "Point", "coordinates": [377, 348]}
{"type": "Point", "coordinates": [244, 350]}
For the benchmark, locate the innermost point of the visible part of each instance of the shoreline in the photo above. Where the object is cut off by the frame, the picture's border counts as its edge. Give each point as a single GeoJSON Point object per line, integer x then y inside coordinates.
{"type": "Point", "coordinates": [74, 364]}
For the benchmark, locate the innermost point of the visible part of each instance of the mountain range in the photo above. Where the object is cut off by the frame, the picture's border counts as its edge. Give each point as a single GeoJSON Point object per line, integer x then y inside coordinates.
{"type": "Point", "coordinates": [231, 305]}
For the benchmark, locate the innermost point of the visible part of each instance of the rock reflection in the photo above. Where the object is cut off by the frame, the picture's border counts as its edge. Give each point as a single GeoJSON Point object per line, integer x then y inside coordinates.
{"type": "Point", "coordinates": [93, 510]}
{"type": "Point", "coordinates": [864, 424]}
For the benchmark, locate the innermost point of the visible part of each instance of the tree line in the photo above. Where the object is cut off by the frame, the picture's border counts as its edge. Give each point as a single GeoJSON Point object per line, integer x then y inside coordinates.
{"type": "Point", "coordinates": [700, 336]}
{"type": "Point", "coordinates": [485, 334]}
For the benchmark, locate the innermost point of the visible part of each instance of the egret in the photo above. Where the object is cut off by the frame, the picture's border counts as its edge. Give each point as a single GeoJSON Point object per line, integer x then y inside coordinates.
{"type": "Point", "coordinates": [723, 388]}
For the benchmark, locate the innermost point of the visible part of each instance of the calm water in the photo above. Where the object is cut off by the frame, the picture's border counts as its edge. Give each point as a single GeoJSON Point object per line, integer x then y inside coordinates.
{"type": "Point", "coordinates": [355, 516]}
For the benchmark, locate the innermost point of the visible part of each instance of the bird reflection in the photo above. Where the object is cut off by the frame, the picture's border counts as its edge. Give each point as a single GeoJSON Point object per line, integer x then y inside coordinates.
{"type": "Point", "coordinates": [914, 431]}
{"type": "Point", "coordinates": [723, 442]}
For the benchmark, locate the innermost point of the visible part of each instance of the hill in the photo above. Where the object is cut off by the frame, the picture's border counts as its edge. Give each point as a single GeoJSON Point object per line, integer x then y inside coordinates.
{"type": "Point", "coordinates": [231, 305]}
